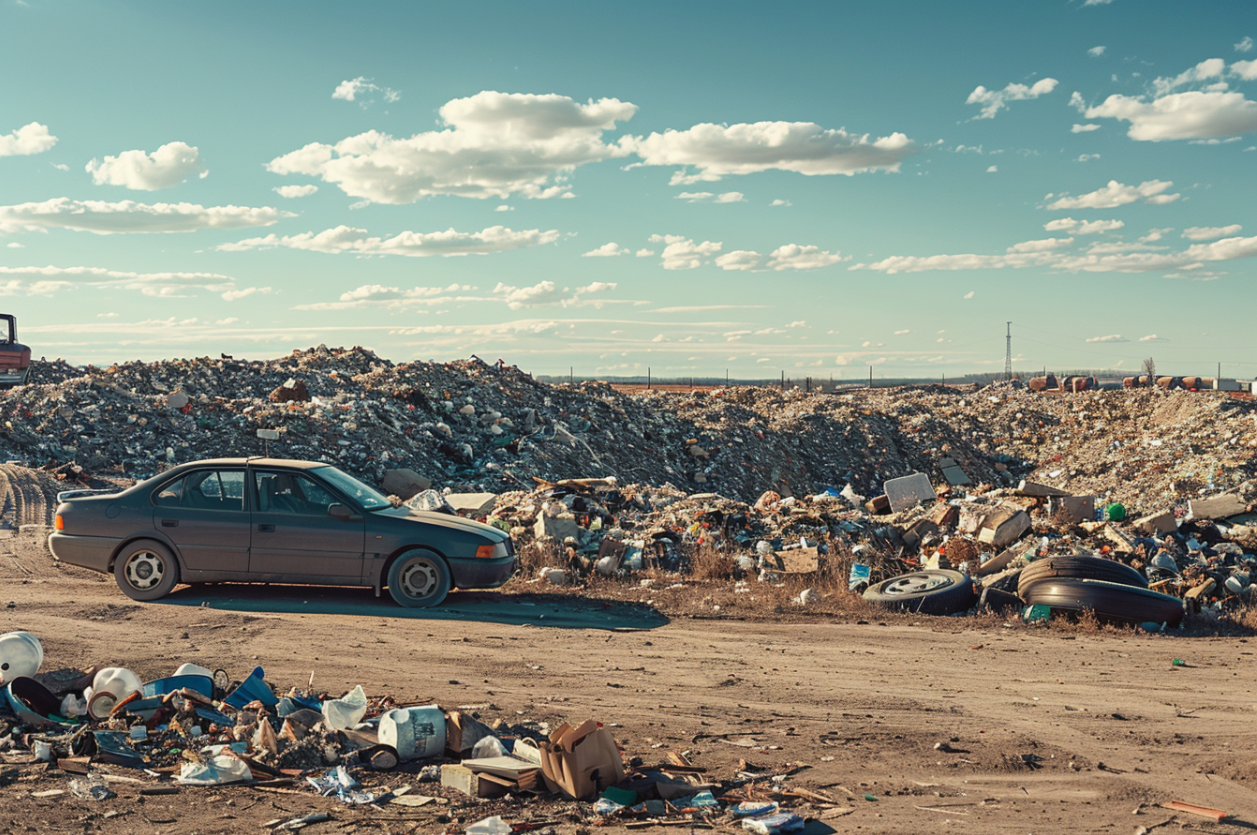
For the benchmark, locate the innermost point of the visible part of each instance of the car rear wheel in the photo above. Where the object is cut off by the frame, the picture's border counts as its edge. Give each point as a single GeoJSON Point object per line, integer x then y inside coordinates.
{"type": "Point", "coordinates": [929, 592]}
{"type": "Point", "coordinates": [419, 579]}
{"type": "Point", "coordinates": [146, 571]}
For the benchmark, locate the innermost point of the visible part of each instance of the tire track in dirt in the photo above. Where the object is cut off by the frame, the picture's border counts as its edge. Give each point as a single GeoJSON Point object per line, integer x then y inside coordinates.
{"type": "Point", "coordinates": [27, 497]}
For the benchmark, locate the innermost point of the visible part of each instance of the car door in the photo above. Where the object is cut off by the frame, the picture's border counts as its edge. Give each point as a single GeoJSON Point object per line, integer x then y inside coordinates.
{"type": "Point", "coordinates": [203, 513]}
{"type": "Point", "coordinates": [294, 537]}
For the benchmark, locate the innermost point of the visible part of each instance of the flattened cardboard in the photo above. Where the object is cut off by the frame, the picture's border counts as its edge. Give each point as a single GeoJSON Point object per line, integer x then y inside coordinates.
{"type": "Point", "coordinates": [580, 762]}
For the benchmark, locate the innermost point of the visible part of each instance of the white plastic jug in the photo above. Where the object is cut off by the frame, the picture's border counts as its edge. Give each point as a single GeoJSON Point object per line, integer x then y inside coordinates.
{"type": "Point", "coordinates": [110, 686]}
{"type": "Point", "coordinates": [20, 655]}
{"type": "Point", "coordinates": [417, 733]}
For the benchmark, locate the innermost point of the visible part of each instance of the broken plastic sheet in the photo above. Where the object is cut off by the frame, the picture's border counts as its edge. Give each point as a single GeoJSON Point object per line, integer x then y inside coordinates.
{"type": "Point", "coordinates": [339, 783]}
{"type": "Point", "coordinates": [217, 771]}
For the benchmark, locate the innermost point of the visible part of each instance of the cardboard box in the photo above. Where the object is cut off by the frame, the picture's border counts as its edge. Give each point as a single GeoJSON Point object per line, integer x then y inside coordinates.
{"type": "Point", "coordinates": [579, 762]}
{"type": "Point", "coordinates": [462, 733]}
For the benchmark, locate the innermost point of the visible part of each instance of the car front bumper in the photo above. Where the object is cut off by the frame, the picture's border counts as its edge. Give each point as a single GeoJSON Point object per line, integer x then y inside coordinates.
{"type": "Point", "coordinates": [92, 552]}
{"type": "Point", "coordinates": [483, 574]}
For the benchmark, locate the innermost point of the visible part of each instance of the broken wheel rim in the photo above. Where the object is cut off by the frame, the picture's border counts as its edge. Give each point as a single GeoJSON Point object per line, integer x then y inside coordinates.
{"type": "Point", "coordinates": [916, 583]}
{"type": "Point", "coordinates": [144, 570]}
{"type": "Point", "coordinates": [420, 578]}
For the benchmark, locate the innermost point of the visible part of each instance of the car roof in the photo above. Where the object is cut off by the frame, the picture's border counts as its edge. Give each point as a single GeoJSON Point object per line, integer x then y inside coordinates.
{"type": "Point", "coordinates": [291, 463]}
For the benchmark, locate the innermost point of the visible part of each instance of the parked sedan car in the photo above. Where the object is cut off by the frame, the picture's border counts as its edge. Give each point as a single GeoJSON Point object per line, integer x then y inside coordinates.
{"type": "Point", "coordinates": [262, 520]}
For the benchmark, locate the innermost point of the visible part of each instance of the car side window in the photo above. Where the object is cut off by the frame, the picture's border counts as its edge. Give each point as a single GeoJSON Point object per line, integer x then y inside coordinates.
{"type": "Point", "coordinates": [205, 490]}
{"type": "Point", "coordinates": [294, 493]}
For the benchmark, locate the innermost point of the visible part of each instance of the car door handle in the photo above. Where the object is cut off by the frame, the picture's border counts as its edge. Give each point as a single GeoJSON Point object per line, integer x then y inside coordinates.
{"type": "Point", "coordinates": [266, 528]}
{"type": "Point", "coordinates": [170, 523]}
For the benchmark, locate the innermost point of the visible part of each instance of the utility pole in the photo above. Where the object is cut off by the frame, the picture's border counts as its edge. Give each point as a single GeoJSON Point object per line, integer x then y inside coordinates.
{"type": "Point", "coordinates": [870, 376]}
{"type": "Point", "coordinates": [783, 380]}
{"type": "Point", "coordinates": [648, 378]}
{"type": "Point", "coordinates": [1008, 351]}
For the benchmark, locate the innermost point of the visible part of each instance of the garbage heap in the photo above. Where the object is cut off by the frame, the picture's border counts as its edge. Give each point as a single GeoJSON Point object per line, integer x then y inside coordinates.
{"type": "Point", "coordinates": [104, 728]}
{"type": "Point", "coordinates": [473, 427]}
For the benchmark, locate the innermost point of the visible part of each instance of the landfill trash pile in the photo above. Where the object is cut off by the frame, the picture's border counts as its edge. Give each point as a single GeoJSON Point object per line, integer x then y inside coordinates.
{"type": "Point", "coordinates": [197, 729]}
{"type": "Point", "coordinates": [473, 427]}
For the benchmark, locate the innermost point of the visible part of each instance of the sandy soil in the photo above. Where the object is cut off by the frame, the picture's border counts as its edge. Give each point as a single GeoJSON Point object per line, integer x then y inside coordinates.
{"type": "Point", "coordinates": [1044, 730]}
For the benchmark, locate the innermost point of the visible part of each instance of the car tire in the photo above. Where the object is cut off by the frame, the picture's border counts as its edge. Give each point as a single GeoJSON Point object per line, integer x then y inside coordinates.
{"type": "Point", "coordinates": [1078, 568]}
{"type": "Point", "coordinates": [1111, 602]}
{"type": "Point", "coordinates": [419, 579]}
{"type": "Point", "coordinates": [930, 592]}
{"type": "Point", "coordinates": [146, 570]}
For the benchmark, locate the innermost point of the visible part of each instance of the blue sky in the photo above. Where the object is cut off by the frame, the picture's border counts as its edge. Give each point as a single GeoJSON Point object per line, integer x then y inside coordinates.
{"type": "Point", "coordinates": [692, 187]}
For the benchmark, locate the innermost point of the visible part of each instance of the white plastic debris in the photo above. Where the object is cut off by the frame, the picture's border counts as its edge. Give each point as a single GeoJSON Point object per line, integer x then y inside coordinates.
{"type": "Point", "coordinates": [346, 712]}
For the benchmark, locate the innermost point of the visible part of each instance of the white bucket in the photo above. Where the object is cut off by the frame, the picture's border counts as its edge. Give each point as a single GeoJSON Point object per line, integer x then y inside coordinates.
{"type": "Point", "coordinates": [418, 733]}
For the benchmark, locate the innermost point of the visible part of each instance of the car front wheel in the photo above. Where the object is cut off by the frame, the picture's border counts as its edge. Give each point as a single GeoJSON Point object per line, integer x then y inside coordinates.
{"type": "Point", "coordinates": [419, 579]}
{"type": "Point", "coordinates": [146, 571]}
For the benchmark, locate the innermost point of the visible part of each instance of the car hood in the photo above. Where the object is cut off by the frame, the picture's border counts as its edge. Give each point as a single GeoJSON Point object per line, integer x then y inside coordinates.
{"type": "Point", "coordinates": [445, 520]}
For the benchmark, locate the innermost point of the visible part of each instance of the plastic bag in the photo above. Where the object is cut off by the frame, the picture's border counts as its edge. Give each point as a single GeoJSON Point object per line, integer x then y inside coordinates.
{"type": "Point", "coordinates": [344, 713]}
{"type": "Point", "coordinates": [490, 826]}
{"type": "Point", "coordinates": [339, 783]}
{"type": "Point", "coordinates": [490, 746]}
{"type": "Point", "coordinates": [92, 787]}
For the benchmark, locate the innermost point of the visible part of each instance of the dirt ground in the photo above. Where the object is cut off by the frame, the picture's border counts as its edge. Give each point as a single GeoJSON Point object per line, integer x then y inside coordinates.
{"type": "Point", "coordinates": [1042, 730]}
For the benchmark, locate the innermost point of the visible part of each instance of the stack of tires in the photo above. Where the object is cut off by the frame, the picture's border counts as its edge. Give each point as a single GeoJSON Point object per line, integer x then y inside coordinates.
{"type": "Point", "coordinates": [1116, 593]}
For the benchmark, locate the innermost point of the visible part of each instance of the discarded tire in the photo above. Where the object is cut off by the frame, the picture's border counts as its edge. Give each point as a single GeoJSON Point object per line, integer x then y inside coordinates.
{"type": "Point", "coordinates": [998, 601]}
{"type": "Point", "coordinates": [931, 592]}
{"type": "Point", "coordinates": [1078, 568]}
{"type": "Point", "coordinates": [1111, 602]}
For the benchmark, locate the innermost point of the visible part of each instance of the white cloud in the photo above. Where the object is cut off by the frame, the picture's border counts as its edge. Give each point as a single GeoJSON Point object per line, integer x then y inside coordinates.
{"type": "Point", "coordinates": [993, 101]}
{"type": "Point", "coordinates": [1097, 2]}
{"type": "Point", "coordinates": [1245, 44]}
{"type": "Point", "coordinates": [378, 295]}
{"type": "Point", "coordinates": [902, 332]}
{"type": "Point", "coordinates": [244, 293]}
{"type": "Point", "coordinates": [547, 292]}
{"type": "Point", "coordinates": [1111, 258]}
{"type": "Point", "coordinates": [347, 239]}
{"type": "Point", "coordinates": [16, 245]}
{"type": "Point", "coordinates": [1152, 337]}
{"type": "Point", "coordinates": [802, 147]}
{"type": "Point", "coordinates": [494, 145]}
{"type": "Point", "coordinates": [1096, 51]}
{"type": "Point", "coordinates": [1209, 113]}
{"type": "Point", "coordinates": [1087, 157]}
{"type": "Point", "coordinates": [780, 202]}
{"type": "Point", "coordinates": [681, 253]}
{"type": "Point", "coordinates": [644, 253]}
{"type": "Point", "coordinates": [168, 166]}
{"type": "Point", "coordinates": [1113, 337]}
{"type": "Point", "coordinates": [1082, 227]}
{"type": "Point", "coordinates": [702, 196]}
{"type": "Point", "coordinates": [162, 284]}
{"type": "Point", "coordinates": [1117, 194]}
{"type": "Point", "coordinates": [798, 323]}
{"type": "Point", "coordinates": [362, 90]}
{"type": "Point", "coordinates": [128, 216]}
{"type": "Point", "coordinates": [731, 197]}
{"type": "Point", "coordinates": [1044, 245]}
{"type": "Point", "coordinates": [504, 208]}
{"type": "Point", "coordinates": [788, 257]}
{"type": "Point", "coordinates": [608, 250]}
{"type": "Point", "coordinates": [969, 295]}
{"type": "Point", "coordinates": [292, 192]}
{"type": "Point", "coordinates": [991, 169]}
{"type": "Point", "coordinates": [60, 166]}
{"type": "Point", "coordinates": [1084, 128]}
{"type": "Point", "coordinates": [1209, 233]}
{"type": "Point", "coordinates": [740, 259]}
{"type": "Point", "coordinates": [26, 140]}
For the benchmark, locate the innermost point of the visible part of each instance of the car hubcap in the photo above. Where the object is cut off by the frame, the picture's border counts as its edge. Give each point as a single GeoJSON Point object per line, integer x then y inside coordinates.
{"type": "Point", "coordinates": [419, 579]}
{"type": "Point", "coordinates": [917, 583]}
{"type": "Point", "coordinates": [145, 570]}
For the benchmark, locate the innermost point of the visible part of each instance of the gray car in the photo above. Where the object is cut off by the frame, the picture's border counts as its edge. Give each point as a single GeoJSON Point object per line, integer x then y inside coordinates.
{"type": "Point", "coordinates": [264, 520]}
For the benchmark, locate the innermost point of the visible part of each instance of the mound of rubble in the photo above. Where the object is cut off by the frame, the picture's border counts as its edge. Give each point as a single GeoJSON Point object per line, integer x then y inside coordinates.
{"type": "Point", "coordinates": [474, 427]}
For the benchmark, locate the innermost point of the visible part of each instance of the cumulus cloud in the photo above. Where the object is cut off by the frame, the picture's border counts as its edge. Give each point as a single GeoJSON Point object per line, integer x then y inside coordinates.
{"type": "Point", "coordinates": [1096, 51]}
{"type": "Point", "coordinates": [379, 295]}
{"type": "Point", "coordinates": [1087, 157]}
{"type": "Point", "coordinates": [609, 250]}
{"type": "Point", "coordinates": [128, 216]}
{"type": "Point", "coordinates": [1084, 128]}
{"type": "Point", "coordinates": [681, 253]}
{"type": "Point", "coordinates": [780, 202]}
{"type": "Point", "coordinates": [26, 140]}
{"type": "Point", "coordinates": [969, 295]}
{"type": "Point", "coordinates": [1097, 2]}
{"type": "Point", "coordinates": [547, 292]}
{"type": "Point", "coordinates": [1044, 245]}
{"type": "Point", "coordinates": [363, 91]}
{"type": "Point", "coordinates": [717, 151]}
{"type": "Point", "coordinates": [1245, 45]}
{"type": "Point", "coordinates": [1152, 337]}
{"type": "Point", "coordinates": [788, 257]}
{"type": "Point", "coordinates": [993, 101]}
{"type": "Point", "coordinates": [1113, 337]}
{"type": "Point", "coordinates": [1163, 114]}
{"type": "Point", "coordinates": [292, 192]}
{"type": "Point", "coordinates": [1082, 227]}
{"type": "Point", "coordinates": [1209, 233]}
{"type": "Point", "coordinates": [161, 284]}
{"type": "Point", "coordinates": [494, 145]}
{"type": "Point", "coordinates": [644, 253]}
{"type": "Point", "coordinates": [1117, 194]}
{"type": "Point", "coordinates": [168, 166]}
{"type": "Point", "coordinates": [348, 239]}
{"type": "Point", "coordinates": [991, 169]}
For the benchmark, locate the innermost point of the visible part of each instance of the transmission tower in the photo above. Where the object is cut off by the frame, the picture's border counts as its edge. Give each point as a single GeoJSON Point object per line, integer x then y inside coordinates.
{"type": "Point", "coordinates": [1008, 351]}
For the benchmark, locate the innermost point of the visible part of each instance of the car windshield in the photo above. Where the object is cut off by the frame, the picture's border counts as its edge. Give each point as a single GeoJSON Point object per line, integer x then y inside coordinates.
{"type": "Point", "coordinates": [367, 497]}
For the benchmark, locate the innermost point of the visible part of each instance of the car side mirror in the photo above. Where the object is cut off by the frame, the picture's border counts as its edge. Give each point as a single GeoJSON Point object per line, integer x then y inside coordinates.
{"type": "Point", "coordinates": [343, 513]}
